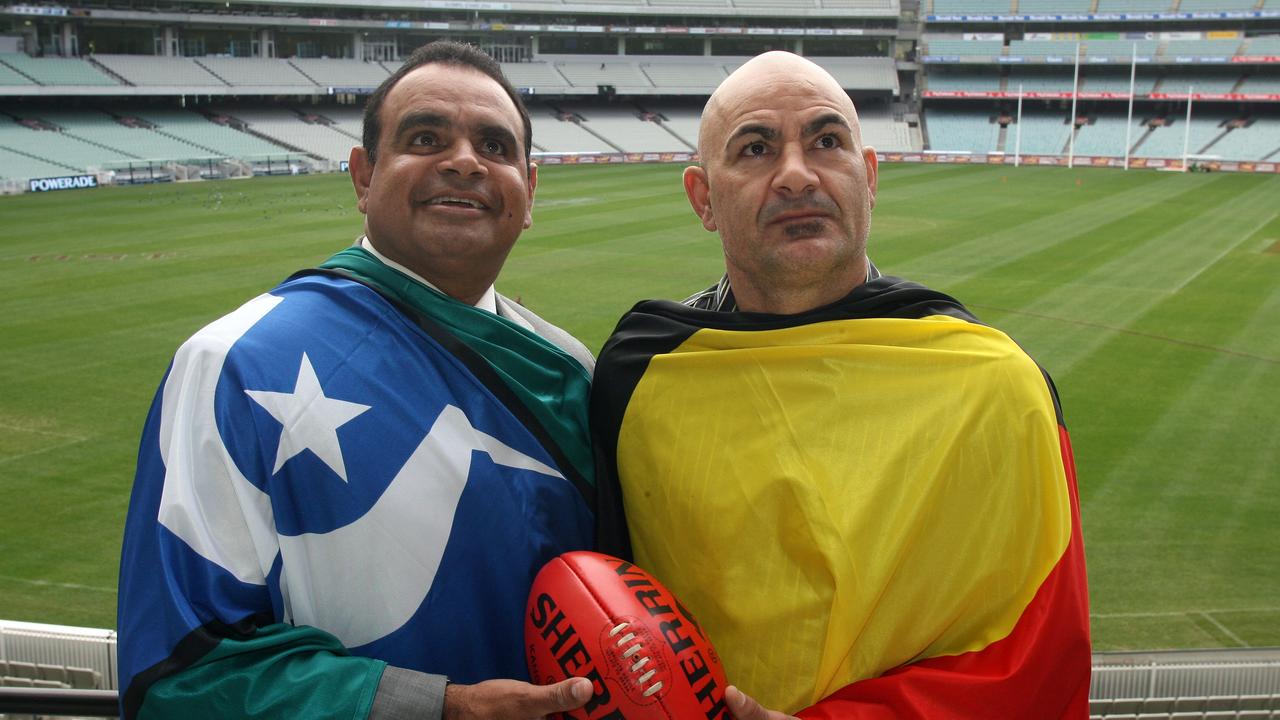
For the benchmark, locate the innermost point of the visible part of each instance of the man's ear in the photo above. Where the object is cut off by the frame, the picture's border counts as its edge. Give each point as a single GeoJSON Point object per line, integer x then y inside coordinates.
{"type": "Point", "coordinates": [533, 184]}
{"type": "Point", "coordinates": [873, 172]}
{"type": "Point", "coordinates": [698, 190]}
{"type": "Point", "coordinates": [361, 175]}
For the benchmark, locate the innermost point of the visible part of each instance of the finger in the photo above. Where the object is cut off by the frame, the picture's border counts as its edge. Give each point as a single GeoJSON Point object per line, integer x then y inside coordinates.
{"type": "Point", "coordinates": [742, 706]}
{"type": "Point", "coordinates": [566, 695]}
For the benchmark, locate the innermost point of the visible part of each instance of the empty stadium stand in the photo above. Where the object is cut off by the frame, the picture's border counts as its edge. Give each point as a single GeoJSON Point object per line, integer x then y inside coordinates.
{"type": "Point", "coordinates": [56, 71]}
{"type": "Point", "coordinates": [971, 131]}
{"type": "Point", "coordinates": [314, 133]}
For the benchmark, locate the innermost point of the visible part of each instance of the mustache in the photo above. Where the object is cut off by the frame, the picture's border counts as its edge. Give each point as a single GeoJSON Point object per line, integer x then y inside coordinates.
{"type": "Point", "coordinates": [781, 206]}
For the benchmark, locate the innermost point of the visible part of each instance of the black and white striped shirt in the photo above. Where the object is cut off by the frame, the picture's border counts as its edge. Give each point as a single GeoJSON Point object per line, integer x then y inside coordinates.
{"type": "Point", "coordinates": [720, 296]}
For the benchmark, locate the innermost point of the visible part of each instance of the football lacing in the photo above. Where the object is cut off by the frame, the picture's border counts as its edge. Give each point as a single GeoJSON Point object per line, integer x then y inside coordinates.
{"type": "Point", "coordinates": [640, 662]}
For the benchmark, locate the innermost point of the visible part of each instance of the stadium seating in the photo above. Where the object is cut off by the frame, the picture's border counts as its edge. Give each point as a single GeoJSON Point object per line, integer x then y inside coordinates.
{"type": "Point", "coordinates": [682, 119]}
{"type": "Point", "coordinates": [1134, 6]}
{"type": "Point", "coordinates": [542, 77]}
{"type": "Point", "coordinates": [684, 75]}
{"type": "Point", "coordinates": [623, 75]}
{"type": "Point", "coordinates": [11, 77]}
{"type": "Point", "coordinates": [1041, 48]}
{"type": "Point", "coordinates": [56, 71]}
{"type": "Point", "coordinates": [1258, 141]}
{"type": "Point", "coordinates": [258, 72]}
{"type": "Point", "coordinates": [217, 139]}
{"type": "Point", "coordinates": [882, 132]}
{"type": "Point", "coordinates": [141, 142]}
{"type": "Point", "coordinates": [1215, 5]}
{"type": "Point", "coordinates": [1204, 81]}
{"type": "Point", "coordinates": [1041, 79]}
{"type": "Point", "coordinates": [966, 78]}
{"type": "Point", "coordinates": [288, 128]}
{"type": "Point", "coordinates": [16, 166]}
{"type": "Point", "coordinates": [1120, 49]}
{"type": "Point", "coordinates": [623, 128]}
{"type": "Point", "coordinates": [329, 72]}
{"type": "Point", "coordinates": [1044, 132]}
{"type": "Point", "coordinates": [1261, 81]}
{"type": "Point", "coordinates": [1104, 136]}
{"type": "Point", "coordinates": [60, 148]}
{"type": "Point", "coordinates": [558, 136]}
{"type": "Point", "coordinates": [1116, 81]}
{"type": "Point", "coordinates": [1168, 141]}
{"type": "Point", "coordinates": [1196, 48]}
{"type": "Point", "coordinates": [972, 7]}
{"type": "Point", "coordinates": [1269, 45]}
{"type": "Point", "coordinates": [1032, 7]}
{"type": "Point", "coordinates": [963, 131]}
{"type": "Point", "coordinates": [862, 73]}
{"type": "Point", "coordinates": [962, 48]}
{"type": "Point", "coordinates": [153, 70]}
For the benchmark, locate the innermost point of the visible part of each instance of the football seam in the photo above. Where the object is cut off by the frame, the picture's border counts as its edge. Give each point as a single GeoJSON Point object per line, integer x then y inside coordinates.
{"type": "Point", "coordinates": [594, 598]}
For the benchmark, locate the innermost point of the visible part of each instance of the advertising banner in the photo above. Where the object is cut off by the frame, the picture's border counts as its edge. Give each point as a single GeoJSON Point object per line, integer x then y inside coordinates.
{"type": "Point", "coordinates": [66, 182]}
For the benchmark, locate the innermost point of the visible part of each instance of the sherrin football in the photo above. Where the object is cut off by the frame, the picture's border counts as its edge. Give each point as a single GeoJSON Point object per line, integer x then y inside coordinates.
{"type": "Point", "coordinates": [595, 616]}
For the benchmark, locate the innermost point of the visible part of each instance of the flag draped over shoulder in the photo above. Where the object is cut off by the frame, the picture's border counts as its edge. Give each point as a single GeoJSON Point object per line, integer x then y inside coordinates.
{"type": "Point", "coordinates": [349, 471]}
{"type": "Point", "coordinates": [870, 507]}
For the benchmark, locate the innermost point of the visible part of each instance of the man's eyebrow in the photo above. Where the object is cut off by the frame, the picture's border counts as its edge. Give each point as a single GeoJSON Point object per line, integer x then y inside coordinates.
{"type": "Point", "coordinates": [824, 120]}
{"type": "Point", "coordinates": [501, 134]}
{"type": "Point", "coordinates": [421, 119]}
{"type": "Point", "coordinates": [763, 131]}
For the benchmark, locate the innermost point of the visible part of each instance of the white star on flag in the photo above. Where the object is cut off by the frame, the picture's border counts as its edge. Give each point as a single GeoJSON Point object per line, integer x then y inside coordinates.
{"type": "Point", "coordinates": [309, 420]}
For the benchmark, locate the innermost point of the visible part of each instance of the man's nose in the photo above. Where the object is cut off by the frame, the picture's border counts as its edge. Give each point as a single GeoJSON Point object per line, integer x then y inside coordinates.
{"type": "Point", "coordinates": [462, 159]}
{"type": "Point", "coordinates": [794, 176]}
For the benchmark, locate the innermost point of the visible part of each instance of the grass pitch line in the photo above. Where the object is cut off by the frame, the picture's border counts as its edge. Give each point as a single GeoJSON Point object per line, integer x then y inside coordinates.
{"type": "Point", "coordinates": [1183, 613]}
{"type": "Point", "coordinates": [1224, 253]}
{"type": "Point", "coordinates": [41, 451]}
{"type": "Point", "coordinates": [1224, 629]}
{"type": "Point", "coordinates": [52, 584]}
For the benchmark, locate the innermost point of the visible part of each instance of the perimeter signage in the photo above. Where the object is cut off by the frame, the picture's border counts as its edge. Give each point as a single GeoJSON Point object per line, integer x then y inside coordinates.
{"type": "Point", "coordinates": [68, 182]}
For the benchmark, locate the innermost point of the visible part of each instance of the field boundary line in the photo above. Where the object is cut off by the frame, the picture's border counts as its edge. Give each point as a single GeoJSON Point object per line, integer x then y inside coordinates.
{"type": "Point", "coordinates": [38, 431]}
{"type": "Point", "coordinates": [50, 583]}
{"type": "Point", "coordinates": [1129, 331]}
{"type": "Point", "coordinates": [1180, 613]}
{"type": "Point", "coordinates": [1223, 628]}
{"type": "Point", "coordinates": [58, 446]}
{"type": "Point", "coordinates": [1219, 256]}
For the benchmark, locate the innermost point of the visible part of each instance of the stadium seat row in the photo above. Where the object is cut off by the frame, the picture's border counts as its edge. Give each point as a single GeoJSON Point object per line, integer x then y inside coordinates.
{"type": "Point", "coordinates": [1192, 706]}
{"type": "Point", "coordinates": [26, 674]}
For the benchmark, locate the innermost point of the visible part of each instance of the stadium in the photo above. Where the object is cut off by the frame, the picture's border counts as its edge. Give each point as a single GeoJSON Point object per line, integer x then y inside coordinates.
{"type": "Point", "coordinates": [1097, 177]}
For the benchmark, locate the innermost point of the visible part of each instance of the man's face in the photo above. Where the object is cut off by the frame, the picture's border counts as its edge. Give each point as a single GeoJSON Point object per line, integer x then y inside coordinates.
{"type": "Point", "coordinates": [785, 181]}
{"type": "Point", "coordinates": [450, 191]}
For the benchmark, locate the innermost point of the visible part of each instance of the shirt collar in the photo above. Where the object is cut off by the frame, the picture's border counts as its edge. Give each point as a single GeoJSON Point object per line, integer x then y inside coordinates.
{"type": "Point", "coordinates": [488, 301]}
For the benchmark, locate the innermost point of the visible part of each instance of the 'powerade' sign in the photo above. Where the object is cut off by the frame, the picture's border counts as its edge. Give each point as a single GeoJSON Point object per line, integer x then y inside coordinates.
{"type": "Point", "coordinates": [69, 182]}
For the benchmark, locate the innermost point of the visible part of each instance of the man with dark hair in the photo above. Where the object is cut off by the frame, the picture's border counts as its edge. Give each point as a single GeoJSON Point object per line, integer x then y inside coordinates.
{"type": "Point", "coordinates": [346, 486]}
{"type": "Point", "coordinates": [866, 496]}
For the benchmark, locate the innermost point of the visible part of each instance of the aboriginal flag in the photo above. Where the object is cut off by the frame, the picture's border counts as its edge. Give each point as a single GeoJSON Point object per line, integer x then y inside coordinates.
{"type": "Point", "coordinates": [871, 506]}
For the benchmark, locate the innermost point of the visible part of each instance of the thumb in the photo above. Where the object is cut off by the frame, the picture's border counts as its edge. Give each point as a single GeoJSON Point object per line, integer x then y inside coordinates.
{"type": "Point", "coordinates": [567, 695]}
{"type": "Point", "coordinates": [742, 707]}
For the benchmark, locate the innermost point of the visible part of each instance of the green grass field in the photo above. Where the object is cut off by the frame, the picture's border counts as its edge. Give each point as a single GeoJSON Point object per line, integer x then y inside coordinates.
{"type": "Point", "coordinates": [1152, 298]}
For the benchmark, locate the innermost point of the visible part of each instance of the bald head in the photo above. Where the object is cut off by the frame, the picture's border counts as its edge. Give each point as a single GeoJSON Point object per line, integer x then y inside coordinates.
{"type": "Point", "coordinates": [786, 182]}
{"type": "Point", "coordinates": [759, 83]}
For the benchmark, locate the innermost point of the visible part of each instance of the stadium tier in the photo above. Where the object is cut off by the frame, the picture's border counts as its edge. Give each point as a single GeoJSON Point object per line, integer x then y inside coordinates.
{"type": "Point", "coordinates": [1043, 132]}
{"type": "Point", "coordinates": [1168, 140]}
{"type": "Point", "coordinates": [159, 71]}
{"type": "Point", "coordinates": [968, 78]}
{"type": "Point", "coordinates": [313, 133]}
{"type": "Point", "coordinates": [56, 71]}
{"type": "Point", "coordinates": [623, 128]}
{"type": "Point", "coordinates": [970, 131]}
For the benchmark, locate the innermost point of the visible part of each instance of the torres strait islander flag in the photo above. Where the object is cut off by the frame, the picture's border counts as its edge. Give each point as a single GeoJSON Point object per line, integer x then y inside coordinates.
{"type": "Point", "coordinates": [871, 506]}
{"type": "Point", "coordinates": [334, 478]}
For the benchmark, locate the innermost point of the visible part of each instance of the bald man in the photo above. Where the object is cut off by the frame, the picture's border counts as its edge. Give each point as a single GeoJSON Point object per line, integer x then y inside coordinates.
{"type": "Point", "coordinates": [866, 496]}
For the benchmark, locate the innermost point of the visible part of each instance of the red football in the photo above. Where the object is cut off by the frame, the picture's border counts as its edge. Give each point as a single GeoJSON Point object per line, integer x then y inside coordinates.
{"type": "Point", "coordinates": [598, 617]}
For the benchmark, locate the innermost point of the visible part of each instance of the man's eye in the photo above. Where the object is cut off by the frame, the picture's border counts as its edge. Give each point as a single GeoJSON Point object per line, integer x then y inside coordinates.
{"type": "Point", "coordinates": [826, 142]}
{"type": "Point", "coordinates": [755, 149]}
{"type": "Point", "coordinates": [425, 139]}
{"type": "Point", "coordinates": [493, 147]}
